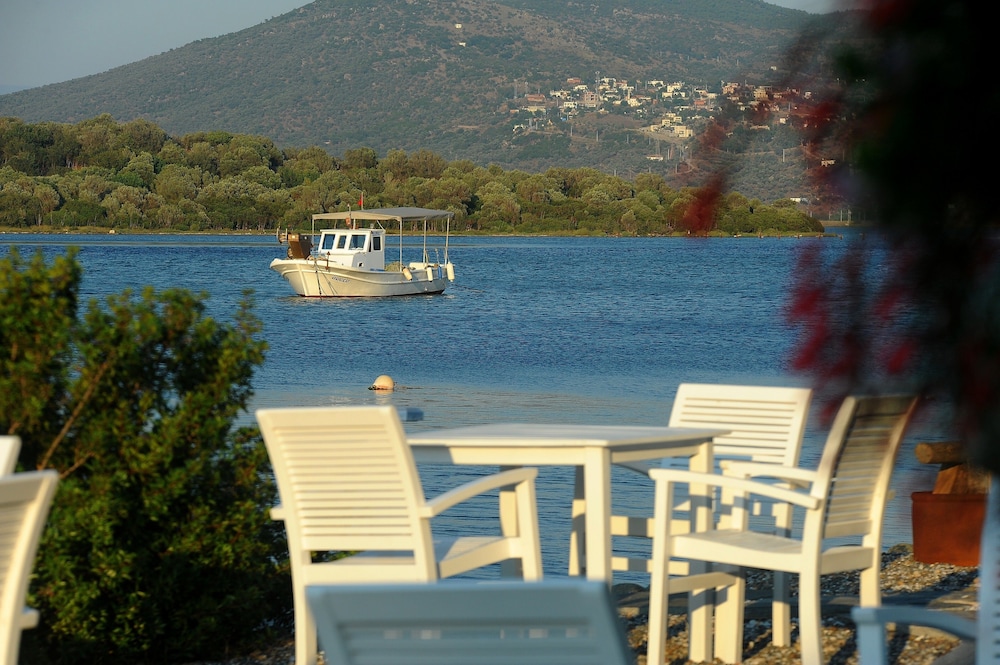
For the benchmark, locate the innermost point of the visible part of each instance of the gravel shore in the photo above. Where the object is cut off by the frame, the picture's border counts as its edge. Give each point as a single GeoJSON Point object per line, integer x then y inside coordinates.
{"type": "Point", "coordinates": [904, 582]}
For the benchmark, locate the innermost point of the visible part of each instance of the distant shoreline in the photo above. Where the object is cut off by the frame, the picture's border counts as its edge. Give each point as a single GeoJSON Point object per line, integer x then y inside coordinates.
{"type": "Point", "coordinates": [98, 231]}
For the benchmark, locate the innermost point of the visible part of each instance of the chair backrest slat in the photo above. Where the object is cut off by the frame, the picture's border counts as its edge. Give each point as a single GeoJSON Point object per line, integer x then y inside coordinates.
{"type": "Point", "coordinates": [857, 462]}
{"type": "Point", "coordinates": [767, 423]}
{"type": "Point", "coordinates": [346, 475]}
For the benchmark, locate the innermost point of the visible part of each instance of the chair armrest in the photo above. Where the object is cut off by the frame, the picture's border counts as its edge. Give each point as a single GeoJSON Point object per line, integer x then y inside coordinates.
{"type": "Point", "coordinates": [914, 616]}
{"type": "Point", "coordinates": [793, 497]}
{"type": "Point", "coordinates": [455, 496]}
{"type": "Point", "coordinates": [871, 623]}
{"type": "Point", "coordinates": [793, 474]}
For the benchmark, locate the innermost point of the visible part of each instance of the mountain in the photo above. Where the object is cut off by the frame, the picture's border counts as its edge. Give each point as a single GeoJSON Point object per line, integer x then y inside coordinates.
{"type": "Point", "coordinates": [439, 75]}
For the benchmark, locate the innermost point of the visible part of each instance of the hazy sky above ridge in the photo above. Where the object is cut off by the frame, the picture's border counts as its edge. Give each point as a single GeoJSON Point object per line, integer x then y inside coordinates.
{"type": "Point", "coordinates": [51, 41]}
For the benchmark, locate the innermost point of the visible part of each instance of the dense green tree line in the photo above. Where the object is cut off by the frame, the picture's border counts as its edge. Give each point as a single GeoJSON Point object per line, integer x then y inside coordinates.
{"type": "Point", "coordinates": [133, 175]}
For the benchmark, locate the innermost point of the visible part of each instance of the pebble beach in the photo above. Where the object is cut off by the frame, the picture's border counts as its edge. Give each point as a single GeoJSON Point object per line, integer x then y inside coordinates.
{"type": "Point", "coordinates": [904, 582]}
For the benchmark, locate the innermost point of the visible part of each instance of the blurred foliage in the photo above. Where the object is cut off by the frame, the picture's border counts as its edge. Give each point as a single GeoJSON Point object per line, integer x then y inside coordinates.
{"type": "Point", "coordinates": [100, 173]}
{"type": "Point", "coordinates": [158, 547]}
{"type": "Point", "coordinates": [928, 321]}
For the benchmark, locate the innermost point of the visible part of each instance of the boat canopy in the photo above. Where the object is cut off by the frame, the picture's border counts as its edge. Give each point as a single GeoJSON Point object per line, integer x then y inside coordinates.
{"type": "Point", "coordinates": [406, 214]}
{"type": "Point", "coordinates": [382, 214]}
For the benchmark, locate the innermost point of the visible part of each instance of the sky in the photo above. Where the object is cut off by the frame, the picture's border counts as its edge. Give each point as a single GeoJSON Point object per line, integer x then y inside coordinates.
{"type": "Point", "coordinates": [51, 41]}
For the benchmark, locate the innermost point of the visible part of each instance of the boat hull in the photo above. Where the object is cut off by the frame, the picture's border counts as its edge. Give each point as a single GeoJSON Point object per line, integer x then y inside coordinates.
{"type": "Point", "coordinates": [313, 278]}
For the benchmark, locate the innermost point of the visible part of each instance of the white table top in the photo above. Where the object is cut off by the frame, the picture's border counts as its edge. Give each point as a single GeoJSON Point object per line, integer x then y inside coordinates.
{"type": "Point", "coordinates": [522, 444]}
{"type": "Point", "coordinates": [525, 435]}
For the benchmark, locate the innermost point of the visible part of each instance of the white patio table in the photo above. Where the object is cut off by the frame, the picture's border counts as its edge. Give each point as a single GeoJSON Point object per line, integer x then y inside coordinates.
{"type": "Point", "coordinates": [592, 449]}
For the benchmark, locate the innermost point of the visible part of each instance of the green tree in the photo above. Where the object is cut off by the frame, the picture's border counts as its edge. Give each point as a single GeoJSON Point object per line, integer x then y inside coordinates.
{"type": "Point", "coordinates": [141, 135]}
{"type": "Point", "coordinates": [499, 209]}
{"type": "Point", "coordinates": [176, 182]}
{"type": "Point", "coordinates": [360, 158]}
{"type": "Point", "coordinates": [158, 547]}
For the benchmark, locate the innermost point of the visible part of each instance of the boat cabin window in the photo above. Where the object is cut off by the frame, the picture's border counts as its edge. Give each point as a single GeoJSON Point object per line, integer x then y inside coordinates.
{"type": "Point", "coordinates": [357, 241]}
{"type": "Point", "coordinates": [327, 241]}
{"type": "Point", "coordinates": [341, 241]}
{"type": "Point", "coordinates": [376, 244]}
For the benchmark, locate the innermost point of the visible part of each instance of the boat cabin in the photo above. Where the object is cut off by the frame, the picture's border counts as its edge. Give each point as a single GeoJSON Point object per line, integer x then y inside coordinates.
{"type": "Point", "coordinates": [354, 248]}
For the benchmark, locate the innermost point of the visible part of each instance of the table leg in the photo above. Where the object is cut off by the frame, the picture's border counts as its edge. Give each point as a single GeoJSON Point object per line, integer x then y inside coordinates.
{"type": "Point", "coordinates": [597, 492]}
{"type": "Point", "coordinates": [700, 603]}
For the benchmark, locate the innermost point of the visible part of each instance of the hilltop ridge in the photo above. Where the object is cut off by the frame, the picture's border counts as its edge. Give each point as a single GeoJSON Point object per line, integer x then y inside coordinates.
{"type": "Point", "coordinates": [449, 76]}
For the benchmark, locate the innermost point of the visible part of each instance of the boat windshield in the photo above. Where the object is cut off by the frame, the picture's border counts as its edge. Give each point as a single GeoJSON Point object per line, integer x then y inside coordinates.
{"type": "Point", "coordinates": [357, 241]}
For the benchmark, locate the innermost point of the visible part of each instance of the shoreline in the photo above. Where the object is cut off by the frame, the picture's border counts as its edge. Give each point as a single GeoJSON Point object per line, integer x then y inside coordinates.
{"type": "Point", "coordinates": [99, 231]}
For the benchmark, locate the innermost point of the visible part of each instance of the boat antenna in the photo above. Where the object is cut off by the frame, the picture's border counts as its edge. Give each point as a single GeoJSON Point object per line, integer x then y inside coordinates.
{"type": "Point", "coordinates": [426, 258]}
{"type": "Point", "coordinates": [447, 232]}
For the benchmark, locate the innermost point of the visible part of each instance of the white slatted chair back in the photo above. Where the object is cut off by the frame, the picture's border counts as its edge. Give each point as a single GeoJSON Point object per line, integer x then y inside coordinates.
{"type": "Point", "coordinates": [347, 480]}
{"type": "Point", "coordinates": [25, 499]}
{"type": "Point", "coordinates": [767, 423]}
{"type": "Point", "coordinates": [854, 472]}
{"type": "Point", "coordinates": [562, 622]}
{"type": "Point", "coordinates": [10, 447]}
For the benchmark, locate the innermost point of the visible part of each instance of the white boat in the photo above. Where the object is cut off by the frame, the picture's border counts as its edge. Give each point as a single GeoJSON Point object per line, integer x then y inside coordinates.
{"type": "Point", "coordinates": [350, 260]}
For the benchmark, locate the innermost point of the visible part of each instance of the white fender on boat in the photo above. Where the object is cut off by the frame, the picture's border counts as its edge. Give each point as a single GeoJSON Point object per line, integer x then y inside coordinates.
{"type": "Point", "coordinates": [407, 274]}
{"type": "Point", "coordinates": [450, 269]}
{"type": "Point", "coordinates": [430, 274]}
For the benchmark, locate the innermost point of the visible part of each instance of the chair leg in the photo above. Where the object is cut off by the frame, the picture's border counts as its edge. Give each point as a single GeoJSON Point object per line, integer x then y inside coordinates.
{"type": "Point", "coordinates": [871, 590]}
{"type": "Point", "coordinates": [810, 620]}
{"type": "Point", "coordinates": [306, 644]}
{"type": "Point", "coordinates": [659, 588]}
{"type": "Point", "coordinates": [781, 620]}
{"type": "Point", "coordinates": [729, 611]}
{"type": "Point", "coordinates": [659, 582]}
{"type": "Point", "coordinates": [872, 644]}
{"type": "Point", "coordinates": [701, 646]}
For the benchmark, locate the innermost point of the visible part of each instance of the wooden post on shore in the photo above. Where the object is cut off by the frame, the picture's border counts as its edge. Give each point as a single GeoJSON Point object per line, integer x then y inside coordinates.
{"type": "Point", "coordinates": [956, 476]}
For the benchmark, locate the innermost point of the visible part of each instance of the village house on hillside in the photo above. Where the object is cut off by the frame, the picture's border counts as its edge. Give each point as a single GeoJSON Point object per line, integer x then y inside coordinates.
{"type": "Point", "coordinates": [673, 111]}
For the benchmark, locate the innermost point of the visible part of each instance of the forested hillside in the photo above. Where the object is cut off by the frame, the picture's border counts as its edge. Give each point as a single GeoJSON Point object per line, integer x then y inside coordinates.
{"type": "Point", "coordinates": [134, 176]}
{"type": "Point", "coordinates": [445, 76]}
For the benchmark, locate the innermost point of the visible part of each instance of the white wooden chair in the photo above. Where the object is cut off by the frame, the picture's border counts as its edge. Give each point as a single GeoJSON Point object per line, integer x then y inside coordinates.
{"type": "Point", "coordinates": [10, 447]}
{"type": "Point", "coordinates": [984, 630]}
{"type": "Point", "coordinates": [767, 425]}
{"type": "Point", "coordinates": [348, 483]}
{"type": "Point", "coordinates": [555, 622]}
{"type": "Point", "coordinates": [25, 499]}
{"type": "Point", "coordinates": [845, 498]}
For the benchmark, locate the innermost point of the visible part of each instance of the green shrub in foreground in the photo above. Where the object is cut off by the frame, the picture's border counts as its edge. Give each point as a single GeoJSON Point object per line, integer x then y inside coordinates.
{"type": "Point", "coordinates": [158, 548]}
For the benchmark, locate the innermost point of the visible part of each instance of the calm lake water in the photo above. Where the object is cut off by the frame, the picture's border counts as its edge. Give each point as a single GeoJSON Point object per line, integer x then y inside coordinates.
{"type": "Point", "coordinates": [590, 330]}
